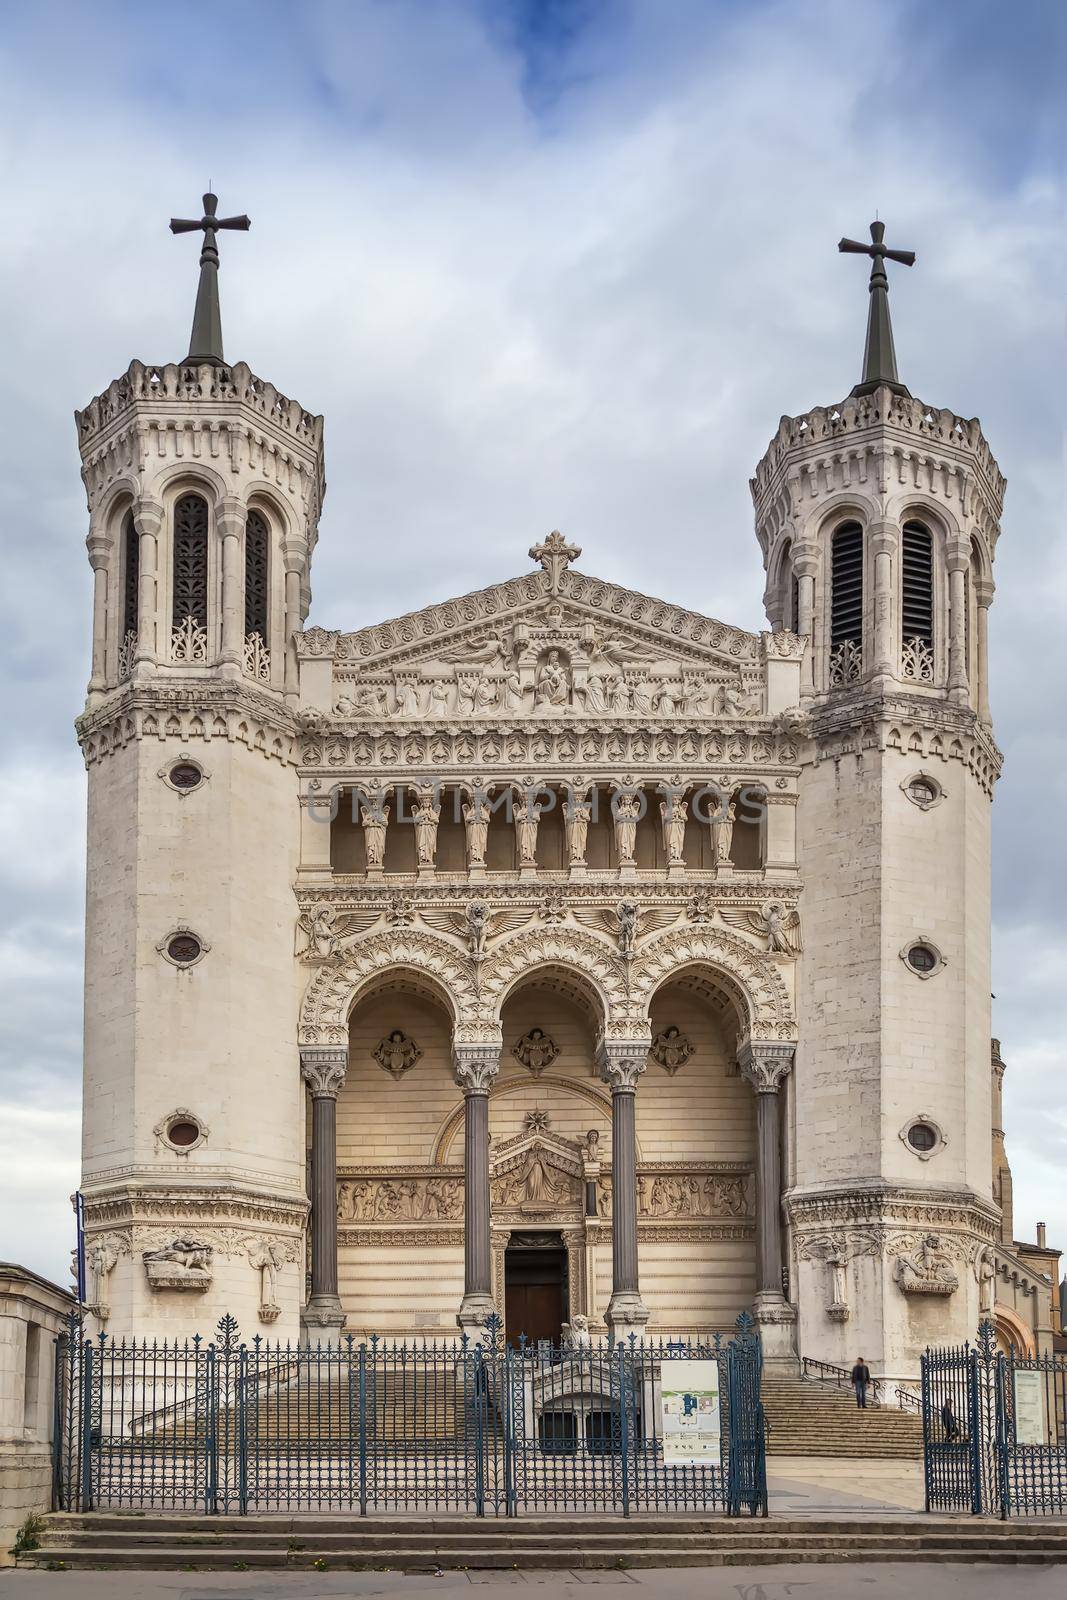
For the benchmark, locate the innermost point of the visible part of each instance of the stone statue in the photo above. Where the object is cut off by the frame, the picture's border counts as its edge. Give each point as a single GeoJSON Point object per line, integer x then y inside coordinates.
{"type": "Point", "coordinates": [985, 1270]}
{"type": "Point", "coordinates": [440, 694]}
{"type": "Point", "coordinates": [477, 927]}
{"type": "Point", "coordinates": [267, 1256]}
{"type": "Point", "coordinates": [476, 819]}
{"type": "Point", "coordinates": [674, 813]}
{"type": "Point", "coordinates": [466, 685]}
{"type": "Point", "coordinates": [511, 694]}
{"type": "Point", "coordinates": [553, 683]}
{"type": "Point", "coordinates": [663, 700]}
{"type": "Point", "coordinates": [579, 1332]}
{"type": "Point", "coordinates": [626, 809]}
{"type": "Point", "coordinates": [426, 816]}
{"type": "Point", "coordinates": [484, 696]}
{"type": "Point", "coordinates": [641, 697]}
{"type": "Point", "coordinates": [577, 824]}
{"type": "Point", "coordinates": [595, 697]}
{"type": "Point", "coordinates": [671, 1049]}
{"type": "Point", "coordinates": [102, 1258]}
{"type": "Point", "coordinates": [527, 816]}
{"type": "Point", "coordinates": [618, 695]}
{"type": "Point", "coordinates": [722, 830]}
{"type": "Point", "coordinates": [407, 698]}
{"type": "Point", "coordinates": [535, 1051]}
{"type": "Point", "coordinates": [375, 818]}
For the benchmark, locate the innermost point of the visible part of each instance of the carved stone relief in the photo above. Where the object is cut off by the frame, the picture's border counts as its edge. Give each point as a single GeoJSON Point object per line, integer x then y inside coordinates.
{"type": "Point", "coordinates": [671, 1049]}
{"type": "Point", "coordinates": [535, 1051]}
{"type": "Point", "coordinates": [183, 1264]}
{"type": "Point", "coordinates": [397, 1054]}
{"type": "Point", "coordinates": [425, 1198]}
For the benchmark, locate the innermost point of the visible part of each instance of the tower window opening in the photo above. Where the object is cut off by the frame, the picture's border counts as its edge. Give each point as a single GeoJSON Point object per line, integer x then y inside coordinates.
{"type": "Point", "coordinates": [131, 574]}
{"type": "Point", "coordinates": [189, 607]}
{"type": "Point", "coordinates": [257, 657]}
{"type": "Point", "coordinates": [917, 603]}
{"type": "Point", "coordinates": [846, 606]}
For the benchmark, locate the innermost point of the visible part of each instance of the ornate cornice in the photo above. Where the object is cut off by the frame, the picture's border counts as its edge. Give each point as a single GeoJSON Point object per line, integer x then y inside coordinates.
{"type": "Point", "coordinates": [210, 708]}
{"type": "Point", "coordinates": [893, 1205]}
{"type": "Point", "coordinates": [132, 1203]}
{"type": "Point", "coordinates": [850, 722]}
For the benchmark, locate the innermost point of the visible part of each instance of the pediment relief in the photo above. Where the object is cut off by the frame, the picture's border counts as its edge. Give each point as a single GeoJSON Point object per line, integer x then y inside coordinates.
{"type": "Point", "coordinates": [558, 605]}
{"type": "Point", "coordinates": [534, 1174]}
{"type": "Point", "coordinates": [553, 659]}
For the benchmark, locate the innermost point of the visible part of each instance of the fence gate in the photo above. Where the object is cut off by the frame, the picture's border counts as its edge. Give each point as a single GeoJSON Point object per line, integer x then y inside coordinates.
{"type": "Point", "coordinates": [479, 1427]}
{"type": "Point", "coordinates": [994, 1430]}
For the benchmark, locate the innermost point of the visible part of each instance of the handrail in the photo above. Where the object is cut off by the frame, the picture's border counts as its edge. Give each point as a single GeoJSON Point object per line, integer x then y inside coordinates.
{"type": "Point", "coordinates": [826, 1372]}
{"type": "Point", "coordinates": [908, 1400]}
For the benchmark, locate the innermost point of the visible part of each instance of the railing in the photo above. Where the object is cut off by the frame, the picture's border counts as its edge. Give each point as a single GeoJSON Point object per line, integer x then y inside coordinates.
{"type": "Point", "coordinates": [840, 1377]}
{"type": "Point", "coordinates": [908, 1400]}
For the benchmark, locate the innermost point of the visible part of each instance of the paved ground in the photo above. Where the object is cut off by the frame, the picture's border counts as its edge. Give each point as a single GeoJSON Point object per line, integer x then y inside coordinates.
{"type": "Point", "coordinates": [802, 1486]}
{"type": "Point", "coordinates": [875, 1582]}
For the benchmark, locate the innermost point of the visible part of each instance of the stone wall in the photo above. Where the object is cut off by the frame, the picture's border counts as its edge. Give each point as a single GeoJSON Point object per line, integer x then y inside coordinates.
{"type": "Point", "coordinates": [32, 1313]}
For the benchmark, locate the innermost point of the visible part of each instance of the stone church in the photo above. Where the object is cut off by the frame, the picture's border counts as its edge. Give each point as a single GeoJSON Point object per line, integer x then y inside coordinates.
{"type": "Point", "coordinates": [552, 950]}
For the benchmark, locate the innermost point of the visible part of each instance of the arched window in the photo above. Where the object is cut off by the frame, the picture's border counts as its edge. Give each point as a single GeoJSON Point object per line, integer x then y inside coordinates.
{"type": "Point", "coordinates": [257, 537]}
{"type": "Point", "coordinates": [917, 603]}
{"type": "Point", "coordinates": [846, 604]}
{"type": "Point", "coordinates": [189, 607]}
{"type": "Point", "coordinates": [131, 573]}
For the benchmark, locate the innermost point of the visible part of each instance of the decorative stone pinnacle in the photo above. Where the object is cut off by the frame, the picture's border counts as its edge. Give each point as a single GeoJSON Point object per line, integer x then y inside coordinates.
{"type": "Point", "coordinates": [205, 344]}
{"type": "Point", "coordinates": [555, 555]}
{"type": "Point", "coordinates": [879, 356]}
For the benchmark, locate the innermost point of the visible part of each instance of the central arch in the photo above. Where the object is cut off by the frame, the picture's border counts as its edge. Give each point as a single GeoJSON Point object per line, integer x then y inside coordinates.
{"type": "Point", "coordinates": [337, 985]}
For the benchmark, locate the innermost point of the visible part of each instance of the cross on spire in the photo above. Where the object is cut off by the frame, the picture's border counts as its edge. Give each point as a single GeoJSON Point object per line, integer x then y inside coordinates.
{"type": "Point", "coordinates": [555, 555]}
{"type": "Point", "coordinates": [206, 341]}
{"type": "Point", "coordinates": [879, 356]}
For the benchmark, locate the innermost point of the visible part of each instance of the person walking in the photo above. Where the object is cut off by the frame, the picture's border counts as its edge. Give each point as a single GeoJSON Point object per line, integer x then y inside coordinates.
{"type": "Point", "coordinates": [861, 1377]}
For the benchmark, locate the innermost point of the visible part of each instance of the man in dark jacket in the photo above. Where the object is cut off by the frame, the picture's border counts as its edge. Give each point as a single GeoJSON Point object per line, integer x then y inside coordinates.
{"type": "Point", "coordinates": [861, 1377]}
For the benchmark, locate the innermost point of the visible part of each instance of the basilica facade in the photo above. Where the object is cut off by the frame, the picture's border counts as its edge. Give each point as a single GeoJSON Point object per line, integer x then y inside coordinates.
{"type": "Point", "coordinates": [553, 950]}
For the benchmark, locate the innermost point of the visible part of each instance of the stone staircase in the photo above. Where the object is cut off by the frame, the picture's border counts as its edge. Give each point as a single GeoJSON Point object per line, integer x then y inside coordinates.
{"type": "Point", "coordinates": [807, 1418]}
{"type": "Point", "coordinates": [429, 1544]}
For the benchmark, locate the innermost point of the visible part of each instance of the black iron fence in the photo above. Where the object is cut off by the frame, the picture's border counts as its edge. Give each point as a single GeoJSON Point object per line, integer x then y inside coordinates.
{"type": "Point", "coordinates": [994, 1430]}
{"type": "Point", "coordinates": [225, 1426]}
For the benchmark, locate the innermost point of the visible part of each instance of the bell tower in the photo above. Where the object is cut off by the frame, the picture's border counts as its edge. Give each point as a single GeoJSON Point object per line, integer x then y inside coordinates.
{"type": "Point", "coordinates": [204, 486]}
{"type": "Point", "coordinates": [878, 520]}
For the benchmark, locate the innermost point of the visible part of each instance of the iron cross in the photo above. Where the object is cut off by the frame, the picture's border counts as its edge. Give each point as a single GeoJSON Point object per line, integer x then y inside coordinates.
{"type": "Point", "coordinates": [878, 252]}
{"type": "Point", "coordinates": [210, 224]}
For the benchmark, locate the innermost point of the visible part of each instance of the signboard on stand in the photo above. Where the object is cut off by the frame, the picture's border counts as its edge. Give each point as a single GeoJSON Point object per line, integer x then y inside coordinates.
{"type": "Point", "coordinates": [1029, 1407]}
{"type": "Point", "coordinates": [691, 1422]}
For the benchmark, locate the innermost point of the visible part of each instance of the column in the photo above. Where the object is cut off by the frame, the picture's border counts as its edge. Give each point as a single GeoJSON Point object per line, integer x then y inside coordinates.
{"type": "Point", "coordinates": [883, 544]}
{"type": "Point", "coordinates": [957, 560]}
{"type": "Point", "coordinates": [148, 520]}
{"type": "Point", "coordinates": [621, 1063]}
{"type": "Point", "coordinates": [476, 1067]}
{"type": "Point", "coordinates": [323, 1070]}
{"type": "Point", "coordinates": [294, 554]}
{"type": "Point", "coordinates": [766, 1067]}
{"type": "Point", "coordinates": [983, 596]}
{"type": "Point", "coordinates": [806, 567]}
{"type": "Point", "coordinates": [99, 547]}
{"type": "Point", "coordinates": [230, 522]}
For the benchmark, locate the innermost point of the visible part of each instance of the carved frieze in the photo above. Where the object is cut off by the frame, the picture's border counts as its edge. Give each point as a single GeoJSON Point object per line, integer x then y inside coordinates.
{"type": "Point", "coordinates": [433, 1197]}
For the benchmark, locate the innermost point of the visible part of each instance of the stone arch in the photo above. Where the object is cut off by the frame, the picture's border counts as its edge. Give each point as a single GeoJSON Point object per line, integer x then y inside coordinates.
{"type": "Point", "coordinates": [753, 981]}
{"type": "Point", "coordinates": [587, 958]}
{"type": "Point", "coordinates": [845, 506]}
{"type": "Point", "coordinates": [1014, 1331]}
{"type": "Point", "coordinates": [338, 984]}
{"type": "Point", "coordinates": [592, 1092]}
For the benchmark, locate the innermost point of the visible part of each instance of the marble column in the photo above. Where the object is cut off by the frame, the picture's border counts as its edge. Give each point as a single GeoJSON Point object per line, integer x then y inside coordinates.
{"type": "Point", "coordinates": [148, 520]}
{"type": "Point", "coordinates": [323, 1070]}
{"type": "Point", "coordinates": [476, 1067]}
{"type": "Point", "coordinates": [766, 1066]}
{"type": "Point", "coordinates": [230, 523]}
{"type": "Point", "coordinates": [295, 559]}
{"type": "Point", "coordinates": [99, 550]}
{"type": "Point", "coordinates": [957, 559]}
{"type": "Point", "coordinates": [621, 1063]}
{"type": "Point", "coordinates": [806, 567]}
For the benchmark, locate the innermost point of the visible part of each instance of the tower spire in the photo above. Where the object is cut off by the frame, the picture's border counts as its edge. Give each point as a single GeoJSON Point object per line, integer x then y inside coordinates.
{"type": "Point", "coordinates": [206, 341]}
{"type": "Point", "coordinates": [879, 356]}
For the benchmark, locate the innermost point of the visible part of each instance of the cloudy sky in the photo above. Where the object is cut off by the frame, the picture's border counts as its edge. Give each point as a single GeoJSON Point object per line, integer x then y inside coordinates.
{"type": "Point", "coordinates": [541, 263]}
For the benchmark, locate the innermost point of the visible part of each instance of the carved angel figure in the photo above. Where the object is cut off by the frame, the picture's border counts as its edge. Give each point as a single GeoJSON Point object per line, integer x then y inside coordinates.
{"type": "Point", "coordinates": [316, 933]}
{"type": "Point", "coordinates": [267, 1256]}
{"type": "Point", "coordinates": [671, 1049]}
{"type": "Point", "coordinates": [627, 930]}
{"type": "Point", "coordinates": [553, 683]}
{"type": "Point", "coordinates": [397, 1054]}
{"type": "Point", "coordinates": [779, 928]}
{"type": "Point", "coordinates": [535, 1051]}
{"type": "Point", "coordinates": [928, 1268]}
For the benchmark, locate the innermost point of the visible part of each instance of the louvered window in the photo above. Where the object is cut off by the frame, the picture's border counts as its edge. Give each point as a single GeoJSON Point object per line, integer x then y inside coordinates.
{"type": "Point", "coordinates": [257, 534]}
{"type": "Point", "coordinates": [131, 572]}
{"type": "Point", "coordinates": [189, 608]}
{"type": "Point", "coordinates": [846, 605]}
{"type": "Point", "coordinates": [917, 603]}
{"type": "Point", "coordinates": [794, 603]}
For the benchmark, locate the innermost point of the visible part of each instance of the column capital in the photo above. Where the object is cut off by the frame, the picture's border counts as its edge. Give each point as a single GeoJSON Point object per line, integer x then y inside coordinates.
{"type": "Point", "coordinates": [765, 1064]}
{"type": "Point", "coordinates": [984, 589]}
{"type": "Point", "coordinates": [476, 1066]}
{"type": "Point", "coordinates": [231, 514]}
{"type": "Point", "coordinates": [148, 514]}
{"type": "Point", "coordinates": [323, 1068]}
{"type": "Point", "coordinates": [883, 538]}
{"type": "Point", "coordinates": [622, 1061]}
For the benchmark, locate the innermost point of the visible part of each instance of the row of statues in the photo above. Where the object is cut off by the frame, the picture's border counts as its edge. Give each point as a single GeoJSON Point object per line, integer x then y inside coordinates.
{"type": "Point", "coordinates": [526, 811]}
{"type": "Point", "coordinates": [606, 691]}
